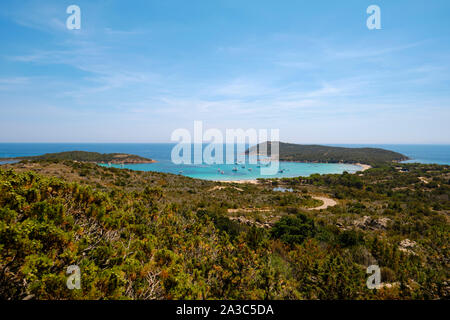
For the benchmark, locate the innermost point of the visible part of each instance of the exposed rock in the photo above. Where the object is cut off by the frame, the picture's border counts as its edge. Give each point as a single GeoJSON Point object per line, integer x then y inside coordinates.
{"type": "Point", "coordinates": [406, 245]}
{"type": "Point", "coordinates": [424, 180]}
{"type": "Point", "coordinates": [367, 222]}
{"type": "Point", "coordinates": [383, 222]}
{"type": "Point", "coordinates": [249, 210]}
{"type": "Point", "coordinates": [249, 222]}
{"type": "Point", "coordinates": [446, 288]}
{"type": "Point", "coordinates": [389, 285]}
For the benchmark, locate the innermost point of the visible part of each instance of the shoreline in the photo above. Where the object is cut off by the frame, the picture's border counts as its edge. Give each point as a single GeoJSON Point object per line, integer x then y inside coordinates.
{"type": "Point", "coordinates": [364, 167]}
{"type": "Point", "coordinates": [121, 162]}
{"type": "Point", "coordinates": [250, 181]}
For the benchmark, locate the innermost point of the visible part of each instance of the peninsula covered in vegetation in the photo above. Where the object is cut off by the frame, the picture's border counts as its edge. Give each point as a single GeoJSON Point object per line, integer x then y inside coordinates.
{"type": "Point", "coordinates": [85, 156]}
{"type": "Point", "coordinates": [327, 154]}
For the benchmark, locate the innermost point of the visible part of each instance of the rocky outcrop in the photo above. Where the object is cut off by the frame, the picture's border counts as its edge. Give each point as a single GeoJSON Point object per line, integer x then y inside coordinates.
{"type": "Point", "coordinates": [249, 222]}
{"type": "Point", "coordinates": [407, 245]}
{"type": "Point", "coordinates": [367, 222]}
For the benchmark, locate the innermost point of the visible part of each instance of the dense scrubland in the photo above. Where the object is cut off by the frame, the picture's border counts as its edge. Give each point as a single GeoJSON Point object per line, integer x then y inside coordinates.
{"type": "Point", "coordinates": [147, 235]}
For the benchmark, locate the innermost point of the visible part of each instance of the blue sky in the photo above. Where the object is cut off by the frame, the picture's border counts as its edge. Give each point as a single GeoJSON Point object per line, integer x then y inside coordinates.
{"type": "Point", "coordinates": [137, 70]}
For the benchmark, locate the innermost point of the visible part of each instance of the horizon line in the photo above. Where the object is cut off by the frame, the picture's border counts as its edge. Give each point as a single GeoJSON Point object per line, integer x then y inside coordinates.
{"type": "Point", "coordinates": [172, 142]}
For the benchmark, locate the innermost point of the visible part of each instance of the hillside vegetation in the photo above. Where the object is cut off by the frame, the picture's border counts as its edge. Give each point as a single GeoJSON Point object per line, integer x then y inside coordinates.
{"type": "Point", "coordinates": [148, 235]}
{"type": "Point", "coordinates": [326, 154]}
{"type": "Point", "coordinates": [86, 156]}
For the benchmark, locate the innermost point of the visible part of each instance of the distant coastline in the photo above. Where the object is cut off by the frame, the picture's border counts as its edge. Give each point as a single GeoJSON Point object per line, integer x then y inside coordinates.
{"type": "Point", "coordinates": [85, 156]}
{"type": "Point", "coordinates": [160, 155]}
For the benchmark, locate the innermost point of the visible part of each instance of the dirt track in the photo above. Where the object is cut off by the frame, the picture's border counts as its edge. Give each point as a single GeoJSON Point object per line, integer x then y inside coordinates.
{"type": "Point", "coordinates": [327, 202]}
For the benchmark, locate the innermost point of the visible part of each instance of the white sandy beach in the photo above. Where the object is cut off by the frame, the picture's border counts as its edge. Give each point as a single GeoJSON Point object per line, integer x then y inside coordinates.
{"type": "Point", "coordinates": [254, 181]}
{"type": "Point", "coordinates": [364, 166]}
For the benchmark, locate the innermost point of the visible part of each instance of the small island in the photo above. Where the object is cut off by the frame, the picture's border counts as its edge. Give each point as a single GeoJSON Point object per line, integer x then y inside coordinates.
{"type": "Point", "coordinates": [328, 154]}
{"type": "Point", "coordinates": [85, 156]}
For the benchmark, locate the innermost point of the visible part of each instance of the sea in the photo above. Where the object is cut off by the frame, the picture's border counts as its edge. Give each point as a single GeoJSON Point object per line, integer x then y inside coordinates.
{"type": "Point", "coordinates": [240, 170]}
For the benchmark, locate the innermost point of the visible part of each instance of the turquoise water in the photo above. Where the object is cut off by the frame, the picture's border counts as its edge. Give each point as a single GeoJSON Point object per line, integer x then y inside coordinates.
{"type": "Point", "coordinates": [214, 172]}
{"type": "Point", "coordinates": [161, 152]}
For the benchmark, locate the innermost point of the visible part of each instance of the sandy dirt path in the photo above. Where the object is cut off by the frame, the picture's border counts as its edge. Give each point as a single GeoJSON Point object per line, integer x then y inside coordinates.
{"type": "Point", "coordinates": [327, 202]}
